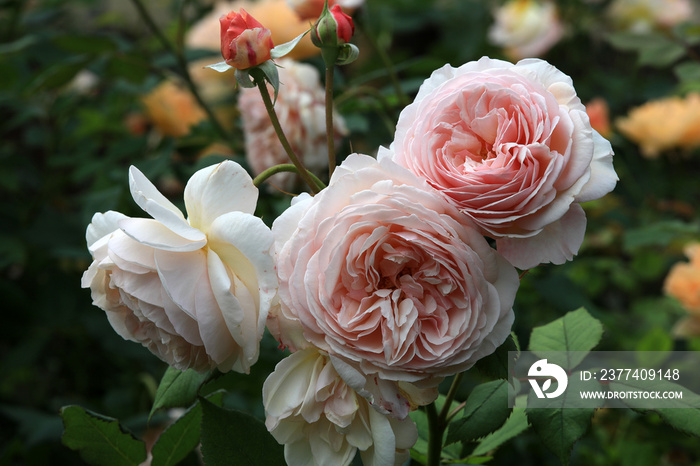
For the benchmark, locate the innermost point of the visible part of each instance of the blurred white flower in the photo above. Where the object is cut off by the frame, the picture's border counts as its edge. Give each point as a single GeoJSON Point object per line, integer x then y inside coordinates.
{"type": "Point", "coordinates": [526, 28]}
{"type": "Point", "coordinates": [642, 16]}
{"type": "Point", "coordinates": [196, 292]}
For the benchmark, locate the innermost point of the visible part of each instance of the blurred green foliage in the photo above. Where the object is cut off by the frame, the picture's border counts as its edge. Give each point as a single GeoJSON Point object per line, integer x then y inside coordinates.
{"type": "Point", "coordinates": [71, 76]}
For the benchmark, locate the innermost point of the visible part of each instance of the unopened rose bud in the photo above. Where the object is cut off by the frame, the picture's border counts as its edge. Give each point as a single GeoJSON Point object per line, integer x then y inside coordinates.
{"type": "Point", "coordinates": [244, 41]}
{"type": "Point", "coordinates": [333, 28]}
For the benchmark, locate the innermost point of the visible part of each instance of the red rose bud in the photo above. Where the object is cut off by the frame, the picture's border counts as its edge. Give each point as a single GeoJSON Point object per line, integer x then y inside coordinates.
{"type": "Point", "coordinates": [333, 28]}
{"type": "Point", "coordinates": [244, 41]}
{"type": "Point", "coordinates": [346, 28]}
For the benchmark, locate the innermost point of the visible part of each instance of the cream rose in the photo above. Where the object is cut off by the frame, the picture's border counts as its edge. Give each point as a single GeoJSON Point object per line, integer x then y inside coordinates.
{"type": "Point", "coordinates": [511, 146]}
{"type": "Point", "coordinates": [196, 292]}
{"type": "Point", "coordinates": [381, 274]}
{"type": "Point", "coordinates": [526, 28]}
{"type": "Point", "coordinates": [320, 420]}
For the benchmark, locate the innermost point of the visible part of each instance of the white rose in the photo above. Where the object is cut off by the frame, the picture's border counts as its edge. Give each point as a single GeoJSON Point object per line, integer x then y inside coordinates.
{"type": "Point", "coordinates": [196, 292]}
{"type": "Point", "coordinates": [526, 28]}
{"type": "Point", "coordinates": [320, 420]}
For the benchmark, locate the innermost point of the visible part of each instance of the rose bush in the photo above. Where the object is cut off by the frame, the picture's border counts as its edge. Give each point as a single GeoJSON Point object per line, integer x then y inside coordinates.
{"type": "Point", "coordinates": [244, 41]}
{"type": "Point", "coordinates": [196, 292]}
{"type": "Point", "coordinates": [379, 271]}
{"type": "Point", "coordinates": [511, 146]}
{"type": "Point", "coordinates": [320, 420]}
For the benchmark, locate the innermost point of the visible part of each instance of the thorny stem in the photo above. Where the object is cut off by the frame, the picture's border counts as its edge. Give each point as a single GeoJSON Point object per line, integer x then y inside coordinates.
{"type": "Point", "coordinates": [285, 167]}
{"type": "Point", "coordinates": [259, 79]}
{"type": "Point", "coordinates": [179, 55]}
{"type": "Point", "coordinates": [330, 133]}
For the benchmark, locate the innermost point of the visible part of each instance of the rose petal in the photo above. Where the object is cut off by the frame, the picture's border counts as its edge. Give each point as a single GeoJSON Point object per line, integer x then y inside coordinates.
{"type": "Point", "coordinates": [159, 207]}
{"type": "Point", "coordinates": [216, 190]}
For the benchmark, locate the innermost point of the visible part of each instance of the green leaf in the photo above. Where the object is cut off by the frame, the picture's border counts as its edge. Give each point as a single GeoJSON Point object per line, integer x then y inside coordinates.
{"type": "Point", "coordinates": [559, 429]}
{"type": "Point", "coordinates": [657, 339]}
{"type": "Point", "coordinates": [177, 389]}
{"type": "Point", "coordinates": [631, 41]}
{"type": "Point", "coordinates": [19, 45]}
{"type": "Point", "coordinates": [661, 54]}
{"type": "Point", "coordinates": [179, 438]}
{"type": "Point", "coordinates": [688, 71]}
{"type": "Point", "coordinates": [100, 440]}
{"type": "Point", "coordinates": [236, 438]}
{"type": "Point", "coordinates": [485, 411]}
{"type": "Point", "coordinates": [283, 49]}
{"type": "Point", "coordinates": [86, 44]}
{"type": "Point", "coordinates": [659, 233]}
{"type": "Point", "coordinates": [684, 419]}
{"type": "Point", "coordinates": [57, 75]}
{"type": "Point", "coordinates": [576, 331]}
{"type": "Point", "coordinates": [515, 424]}
{"type": "Point", "coordinates": [495, 365]}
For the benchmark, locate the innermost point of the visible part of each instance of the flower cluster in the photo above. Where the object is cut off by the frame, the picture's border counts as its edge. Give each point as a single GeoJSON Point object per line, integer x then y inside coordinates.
{"type": "Point", "coordinates": [383, 283]}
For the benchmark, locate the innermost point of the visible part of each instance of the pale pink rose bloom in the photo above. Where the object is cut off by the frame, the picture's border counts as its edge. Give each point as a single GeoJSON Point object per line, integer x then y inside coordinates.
{"type": "Point", "coordinates": [526, 28]}
{"type": "Point", "coordinates": [301, 109]}
{"type": "Point", "coordinates": [320, 420]}
{"type": "Point", "coordinates": [644, 16]}
{"type": "Point", "coordinates": [512, 147]}
{"type": "Point", "coordinates": [380, 272]}
{"type": "Point", "coordinates": [196, 292]}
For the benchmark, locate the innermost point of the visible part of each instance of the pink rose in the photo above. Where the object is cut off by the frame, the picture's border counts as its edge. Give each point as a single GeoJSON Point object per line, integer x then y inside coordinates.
{"type": "Point", "coordinates": [321, 420]}
{"type": "Point", "coordinates": [511, 146]}
{"type": "Point", "coordinates": [196, 292]}
{"type": "Point", "coordinates": [379, 272]}
{"type": "Point", "coordinates": [244, 41]}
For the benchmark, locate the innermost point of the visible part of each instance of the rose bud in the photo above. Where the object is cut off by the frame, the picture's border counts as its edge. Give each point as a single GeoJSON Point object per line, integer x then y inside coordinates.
{"type": "Point", "coordinates": [333, 28]}
{"type": "Point", "coordinates": [244, 41]}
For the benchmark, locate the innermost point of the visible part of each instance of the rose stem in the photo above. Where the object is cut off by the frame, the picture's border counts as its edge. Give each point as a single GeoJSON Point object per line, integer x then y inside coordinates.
{"type": "Point", "coordinates": [259, 79]}
{"type": "Point", "coordinates": [437, 423]}
{"type": "Point", "coordinates": [285, 167]}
